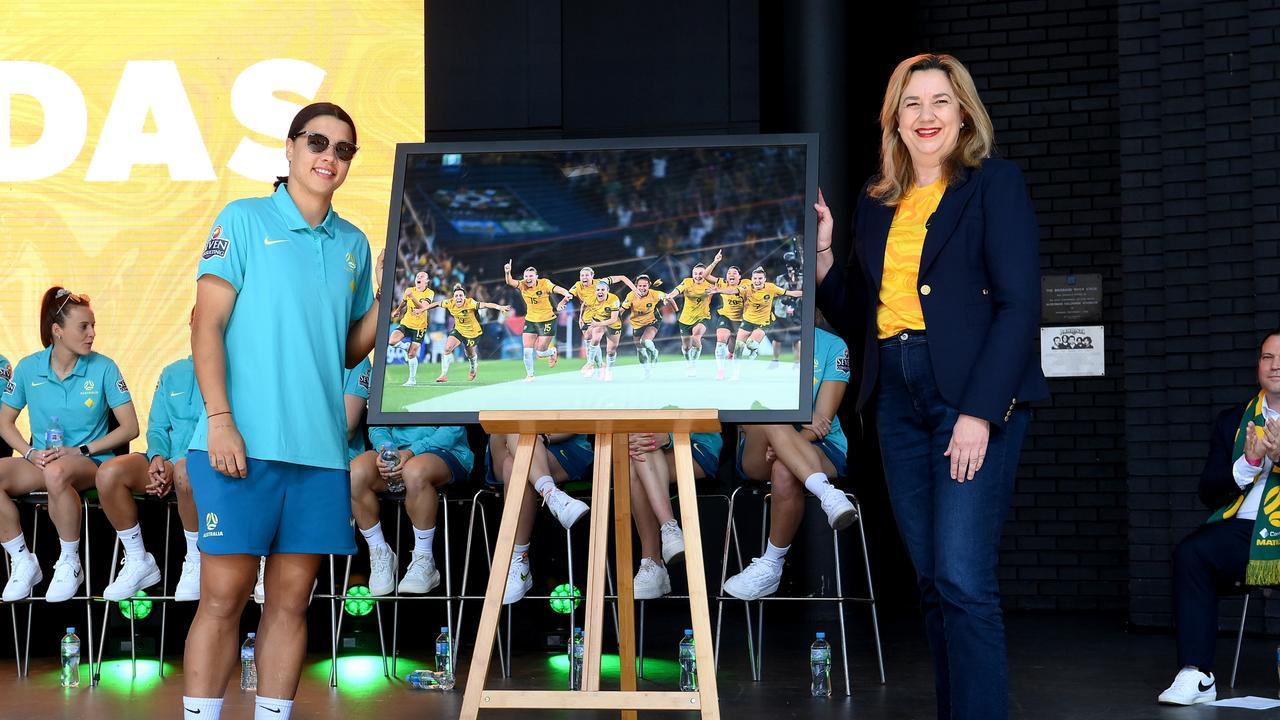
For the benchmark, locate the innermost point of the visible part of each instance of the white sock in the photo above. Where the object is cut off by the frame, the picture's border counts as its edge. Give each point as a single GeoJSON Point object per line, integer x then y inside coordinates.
{"type": "Point", "coordinates": [722, 352]}
{"type": "Point", "coordinates": [818, 484]}
{"type": "Point", "coordinates": [473, 360]}
{"type": "Point", "coordinates": [17, 547]}
{"type": "Point", "coordinates": [131, 538]}
{"type": "Point", "coordinates": [193, 552]}
{"type": "Point", "coordinates": [445, 359]}
{"type": "Point", "coordinates": [201, 708]}
{"type": "Point", "coordinates": [610, 358]}
{"type": "Point", "coordinates": [544, 485]}
{"type": "Point", "coordinates": [653, 350]}
{"type": "Point", "coordinates": [423, 539]}
{"type": "Point", "coordinates": [374, 536]}
{"type": "Point", "coordinates": [528, 361]}
{"type": "Point", "coordinates": [670, 523]}
{"type": "Point", "coordinates": [70, 549]}
{"type": "Point", "coordinates": [413, 367]}
{"type": "Point", "coordinates": [266, 708]}
{"type": "Point", "coordinates": [519, 551]}
{"type": "Point", "coordinates": [775, 553]}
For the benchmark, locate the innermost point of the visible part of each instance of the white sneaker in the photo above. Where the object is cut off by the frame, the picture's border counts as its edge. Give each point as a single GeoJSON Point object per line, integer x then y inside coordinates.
{"type": "Point", "coordinates": [759, 580]}
{"type": "Point", "coordinates": [567, 510]}
{"type": "Point", "coordinates": [411, 382]}
{"type": "Point", "coordinates": [652, 580]}
{"type": "Point", "coordinates": [840, 512]}
{"type": "Point", "coordinates": [672, 543]}
{"type": "Point", "coordinates": [24, 574]}
{"type": "Point", "coordinates": [260, 586]}
{"type": "Point", "coordinates": [68, 576]}
{"type": "Point", "coordinates": [188, 587]}
{"type": "Point", "coordinates": [135, 574]}
{"type": "Point", "coordinates": [382, 570]}
{"type": "Point", "coordinates": [421, 576]}
{"type": "Point", "coordinates": [1190, 687]}
{"type": "Point", "coordinates": [519, 579]}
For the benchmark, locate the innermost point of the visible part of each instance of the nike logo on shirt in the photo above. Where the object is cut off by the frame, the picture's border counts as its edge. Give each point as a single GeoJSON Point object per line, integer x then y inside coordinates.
{"type": "Point", "coordinates": [269, 242]}
{"type": "Point", "coordinates": [176, 394]}
{"type": "Point", "coordinates": [36, 384]}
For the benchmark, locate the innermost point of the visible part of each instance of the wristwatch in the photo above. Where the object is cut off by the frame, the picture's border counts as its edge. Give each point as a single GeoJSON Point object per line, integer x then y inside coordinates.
{"type": "Point", "coordinates": [84, 450]}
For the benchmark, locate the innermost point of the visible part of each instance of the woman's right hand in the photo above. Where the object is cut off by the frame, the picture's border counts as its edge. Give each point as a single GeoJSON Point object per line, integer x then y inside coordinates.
{"type": "Point", "coordinates": [826, 225]}
{"type": "Point", "coordinates": [226, 448]}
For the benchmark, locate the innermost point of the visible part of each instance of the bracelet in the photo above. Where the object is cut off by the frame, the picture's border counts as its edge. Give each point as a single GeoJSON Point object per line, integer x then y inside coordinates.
{"type": "Point", "coordinates": [1254, 463]}
{"type": "Point", "coordinates": [27, 455]}
{"type": "Point", "coordinates": [224, 412]}
{"type": "Point", "coordinates": [825, 249]}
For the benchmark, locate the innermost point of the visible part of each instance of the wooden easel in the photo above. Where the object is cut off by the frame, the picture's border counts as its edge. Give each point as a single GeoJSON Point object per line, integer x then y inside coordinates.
{"type": "Point", "coordinates": [610, 429]}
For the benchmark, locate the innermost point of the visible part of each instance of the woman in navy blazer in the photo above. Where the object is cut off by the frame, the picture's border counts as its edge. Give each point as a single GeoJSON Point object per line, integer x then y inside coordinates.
{"type": "Point", "coordinates": [947, 327]}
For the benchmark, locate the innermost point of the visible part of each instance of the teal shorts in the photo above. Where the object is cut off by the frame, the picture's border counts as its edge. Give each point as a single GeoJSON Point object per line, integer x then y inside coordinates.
{"type": "Point", "coordinates": [278, 508]}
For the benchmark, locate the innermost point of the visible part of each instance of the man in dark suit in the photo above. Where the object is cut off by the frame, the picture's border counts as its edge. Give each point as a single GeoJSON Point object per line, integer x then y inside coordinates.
{"type": "Point", "coordinates": [1212, 560]}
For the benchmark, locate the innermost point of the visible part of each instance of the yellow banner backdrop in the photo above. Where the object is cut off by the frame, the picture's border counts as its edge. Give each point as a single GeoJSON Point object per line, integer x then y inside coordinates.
{"type": "Point", "coordinates": [126, 126]}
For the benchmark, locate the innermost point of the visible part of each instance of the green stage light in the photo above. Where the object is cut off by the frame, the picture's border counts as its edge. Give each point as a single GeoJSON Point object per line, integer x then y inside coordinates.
{"type": "Point", "coordinates": [565, 598]}
{"type": "Point", "coordinates": [357, 603]}
{"type": "Point", "coordinates": [655, 669]}
{"type": "Point", "coordinates": [136, 609]}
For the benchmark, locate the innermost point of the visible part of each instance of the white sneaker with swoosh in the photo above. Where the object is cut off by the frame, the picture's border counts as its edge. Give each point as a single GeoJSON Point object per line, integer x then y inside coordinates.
{"type": "Point", "coordinates": [519, 579]}
{"type": "Point", "coordinates": [1190, 687]}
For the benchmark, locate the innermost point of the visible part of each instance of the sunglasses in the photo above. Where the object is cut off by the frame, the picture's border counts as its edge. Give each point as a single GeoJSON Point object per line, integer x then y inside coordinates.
{"type": "Point", "coordinates": [318, 143]}
{"type": "Point", "coordinates": [66, 295]}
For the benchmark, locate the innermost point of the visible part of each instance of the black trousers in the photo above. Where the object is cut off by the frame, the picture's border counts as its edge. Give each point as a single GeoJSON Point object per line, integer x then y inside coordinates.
{"type": "Point", "coordinates": [1207, 564]}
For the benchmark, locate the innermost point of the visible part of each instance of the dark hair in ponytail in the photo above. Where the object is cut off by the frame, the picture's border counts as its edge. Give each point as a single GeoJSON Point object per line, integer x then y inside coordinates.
{"type": "Point", "coordinates": [315, 110]}
{"type": "Point", "coordinates": [53, 309]}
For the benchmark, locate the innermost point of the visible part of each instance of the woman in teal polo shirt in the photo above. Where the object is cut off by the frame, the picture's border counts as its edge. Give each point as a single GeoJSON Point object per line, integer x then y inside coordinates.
{"type": "Point", "coordinates": [268, 460]}
{"type": "Point", "coordinates": [68, 382]}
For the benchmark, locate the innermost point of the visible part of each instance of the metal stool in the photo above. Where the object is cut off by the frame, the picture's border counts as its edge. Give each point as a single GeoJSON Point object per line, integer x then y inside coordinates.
{"type": "Point", "coordinates": [171, 507]}
{"type": "Point", "coordinates": [839, 598]}
{"type": "Point", "coordinates": [1244, 613]}
{"type": "Point", "coordinates": [40, 500]}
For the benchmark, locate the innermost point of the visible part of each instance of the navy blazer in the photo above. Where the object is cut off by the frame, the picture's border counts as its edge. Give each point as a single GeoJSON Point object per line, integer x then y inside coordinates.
{"type": "Point", "coordinates": [979, 289]}
{"type": "Point", "coordinates": [1218, 479]}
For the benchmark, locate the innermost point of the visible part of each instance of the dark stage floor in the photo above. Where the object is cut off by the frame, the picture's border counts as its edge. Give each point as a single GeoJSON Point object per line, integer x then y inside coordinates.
{"type": "Point", "coordinates": [1062, 667]}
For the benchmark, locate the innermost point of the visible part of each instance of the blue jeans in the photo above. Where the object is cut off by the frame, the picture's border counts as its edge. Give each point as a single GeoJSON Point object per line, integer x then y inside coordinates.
{"type": "Point", "coordinates": [951, 529]}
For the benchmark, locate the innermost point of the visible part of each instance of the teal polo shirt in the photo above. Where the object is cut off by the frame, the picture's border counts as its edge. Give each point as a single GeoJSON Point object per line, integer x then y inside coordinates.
{"type": "Point", "coordinates": [6, 372]}
{"type": "Point", "coordinates": [356, 384]}
{"type": "Point", "coordinates": [830, 363]}
{"type": "Point", "coordinates": [175, 409]}
{"type": "Point", "coordinates": [299, 289]}
{"type": "Point", "coordinates": [450, 438]}
{"type": "Point", "coordinates": [80, 401]}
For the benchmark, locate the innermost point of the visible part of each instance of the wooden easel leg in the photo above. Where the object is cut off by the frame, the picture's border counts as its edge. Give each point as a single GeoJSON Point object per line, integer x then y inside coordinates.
{"type": "Point", "coordinates": [492, 609]}
{"type": "Point", "coordinates": [697, 579]}
{"type": "Point", "coordinates": [622, 545]}
{"type": "Point", "coordinates": [597, 556]}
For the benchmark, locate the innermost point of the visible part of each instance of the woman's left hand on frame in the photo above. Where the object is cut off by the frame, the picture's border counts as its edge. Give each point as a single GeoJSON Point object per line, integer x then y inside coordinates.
{"type": "Point", "coordinates": [968, 446]}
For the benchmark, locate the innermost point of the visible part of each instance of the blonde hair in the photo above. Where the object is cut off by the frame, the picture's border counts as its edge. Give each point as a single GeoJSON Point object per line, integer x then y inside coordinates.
{"type": "Point", "coordinates": [976, 140]}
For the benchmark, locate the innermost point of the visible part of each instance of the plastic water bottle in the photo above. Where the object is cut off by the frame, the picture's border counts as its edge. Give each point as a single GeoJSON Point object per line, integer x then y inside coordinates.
{"type": "Point", "coordinates": [820, 666]}
{"type": "Point", "coordinates": [688, 663]}
{"type": "Point", "coordinates": [248, 668]}
{"type": "Point", "coordinates": [389, 456]}
{"type": "Point", "coordinates": [444, 658]}
{"type": "Point", "coordinates": [426, 680]}
{"type": "Point", "coordinates": [70, 659]}
{"type": "Point", "coordinates": [53, 434]}
{"type": "Point", "coordinates": [577, 647]}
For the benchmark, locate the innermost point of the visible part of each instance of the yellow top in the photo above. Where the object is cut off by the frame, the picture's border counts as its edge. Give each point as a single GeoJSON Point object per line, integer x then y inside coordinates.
{"type": "Point", "coordinates": [603, 310]}
{"type": "Point", "coordinates": [586, 295]}
{"type": "Point", "coordinates": [899, 307]}
{"type": "Point", "coordinates": [697, 303]}
{"type": "Point", "coordinates": [758, 308]}
{"type": "Point", "coordinates": [642, 307]}
{"type": "Point", "coordinates": [464, 318]}
{"type": "Point", "coordinates": [414, 317]}
{"type": "Point", "coordinates": [730, 304]}
{"type": "Point", "coordinates": [537, 300]}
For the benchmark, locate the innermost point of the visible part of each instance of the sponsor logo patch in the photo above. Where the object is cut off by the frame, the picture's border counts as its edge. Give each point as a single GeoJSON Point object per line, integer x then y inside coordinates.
{"type": "Point", "coordinates": [842, 362]}
{"type": "Point", "coordinates": [121, 386]}
{"type": "Point", "coordinates": [217, 245]}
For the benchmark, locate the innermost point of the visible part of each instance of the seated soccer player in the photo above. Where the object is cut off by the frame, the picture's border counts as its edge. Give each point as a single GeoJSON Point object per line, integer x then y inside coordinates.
{"type": "Point", "coordinates": [652, 472]}
{"type": "Point", "coordinates": [175, 408]}
{"type": "Point", "coordinates": [794, 460]}
{"type": "Point", "coordinates": [557, 459]}
{"type": "Point", "coordinates": [427, 458]}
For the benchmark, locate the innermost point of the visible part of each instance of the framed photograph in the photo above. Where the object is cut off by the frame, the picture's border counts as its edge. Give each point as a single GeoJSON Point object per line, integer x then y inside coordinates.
{"type": "Point", "coordinates": [611, 274]}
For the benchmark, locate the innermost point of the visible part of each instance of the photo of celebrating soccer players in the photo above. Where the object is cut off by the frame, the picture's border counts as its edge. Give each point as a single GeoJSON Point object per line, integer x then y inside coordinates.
{"type": "Point", "coordinates": [542, 265]}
